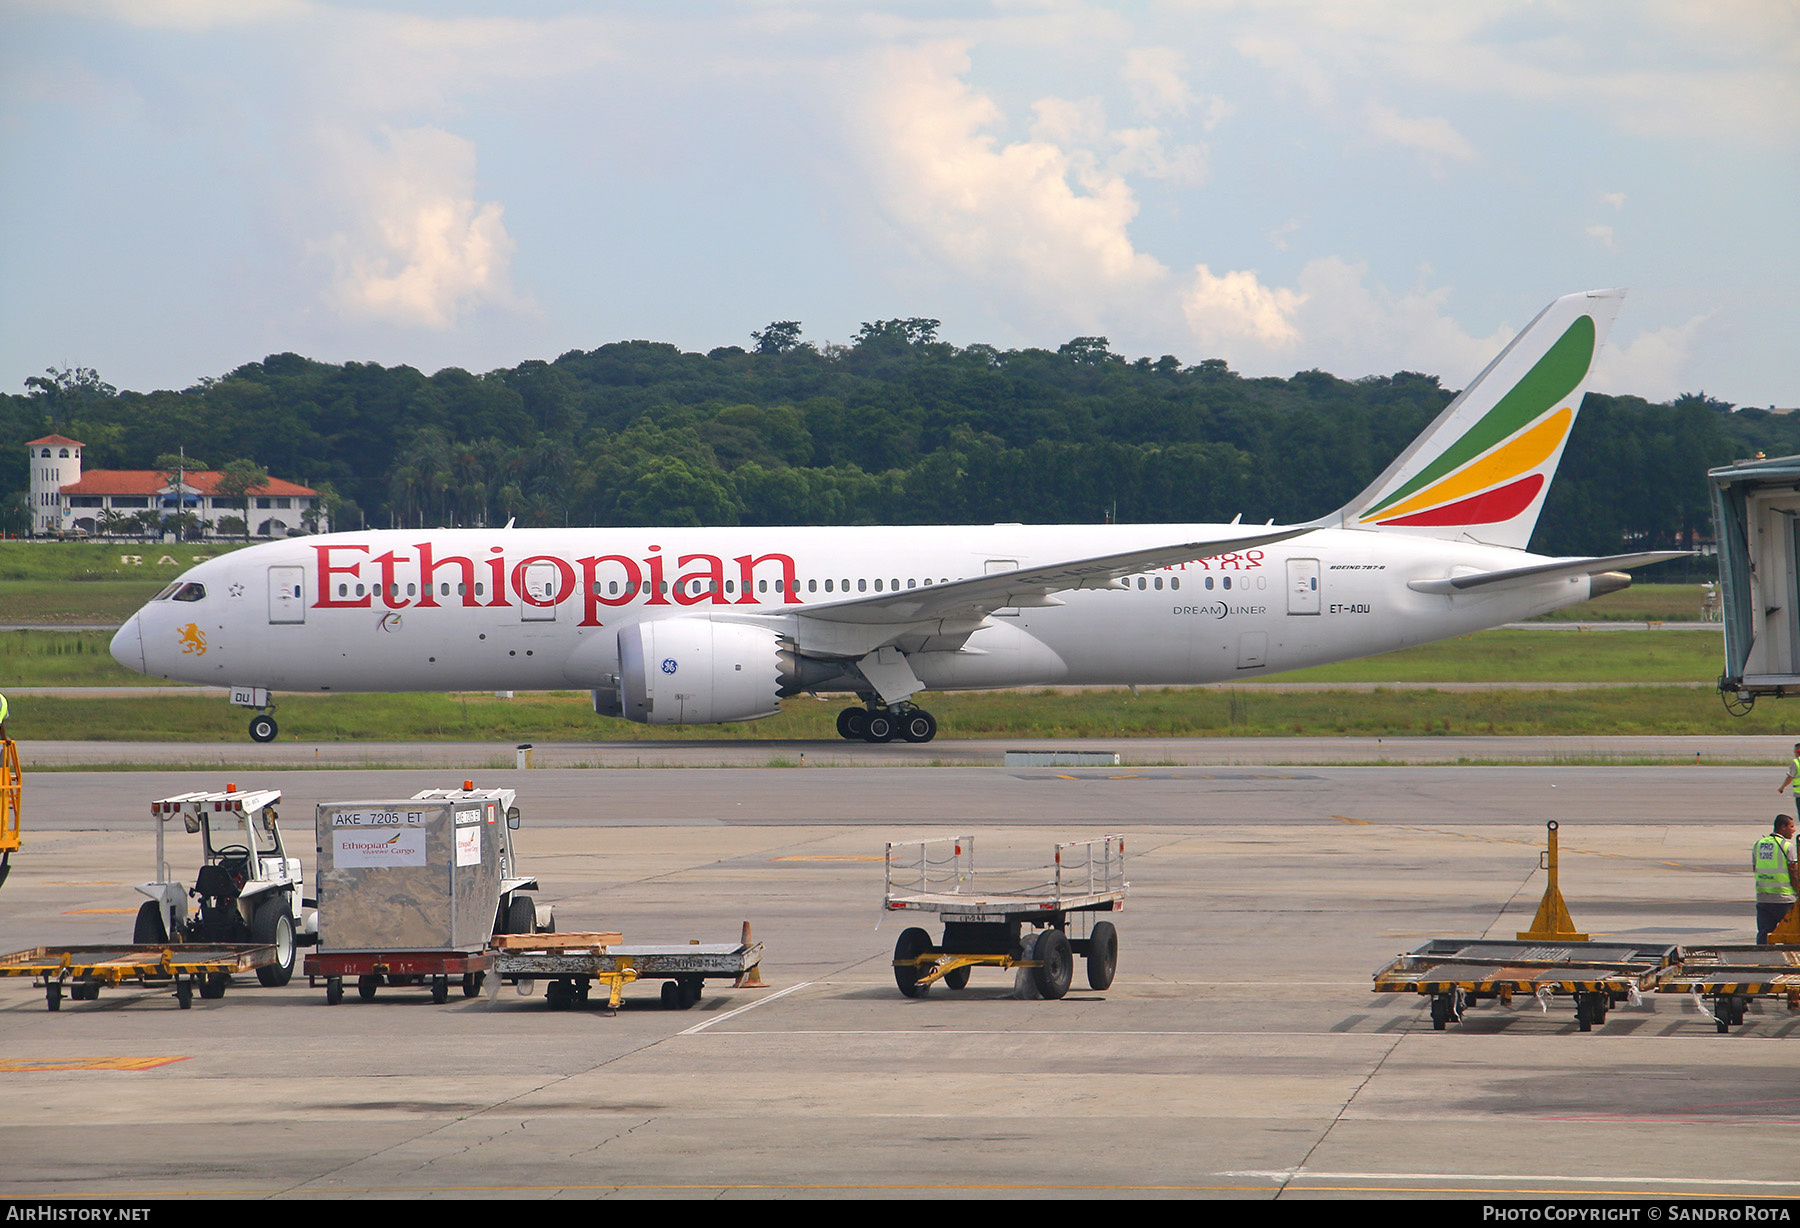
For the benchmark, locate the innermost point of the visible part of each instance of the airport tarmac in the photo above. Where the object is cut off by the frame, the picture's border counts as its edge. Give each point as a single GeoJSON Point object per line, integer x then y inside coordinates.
{"type": "Point", "coordinates": [1239, 1054]}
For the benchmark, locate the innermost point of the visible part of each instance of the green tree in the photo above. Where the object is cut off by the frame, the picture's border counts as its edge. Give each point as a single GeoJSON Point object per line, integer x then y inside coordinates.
{"type": "Point", "coordinates": [778, 338]}
{"type": "Point", "coordinates": [237, 481]}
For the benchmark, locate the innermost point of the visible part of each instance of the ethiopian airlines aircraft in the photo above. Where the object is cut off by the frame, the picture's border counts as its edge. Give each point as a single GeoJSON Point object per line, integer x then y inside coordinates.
{"type": "Point", "coordinates": [694, 626]}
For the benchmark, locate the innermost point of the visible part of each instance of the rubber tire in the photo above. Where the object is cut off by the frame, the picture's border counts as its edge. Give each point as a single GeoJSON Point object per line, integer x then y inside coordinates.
{"type": "Point", "coordinates": [957, 978]}
{"type": "Point", "coordinates": [366, 987]}
{"type": "Point", "coordinates": [913, 943]}
{"type": "Point", "coordinates": [881, 728]}
{"type": "Point", "coordinates": [263, 728]}
{"type": "Point", "coordinates": [1055, 964]}
{"type": "Point", "coordinates": [918, 726]}
{"type": "Point", "coordinates": [671, 996]}
{"type": "Point", "coordinates": [521, 915]}
{"type": "Point", "coordinates": [271, 925]}
{"type": "Point", "coordinates": [852, 723]}
{"type": "Point", "coordinates": [213, 984]}
{"type": "Point", "coordinates": [1103, 955]}
{"type": "Point", "coordinates": [334, 990]}
{"type": "Point", "coordinates": [149, 930]}
{"type": "Point", "coordinates": [440, 990]}
{"type": "Point", "coordinates": [471, 983]}
{"type": "Point", "coordinates": [689, 991]}
{"type": "Point", "coordinates": [53, 995]}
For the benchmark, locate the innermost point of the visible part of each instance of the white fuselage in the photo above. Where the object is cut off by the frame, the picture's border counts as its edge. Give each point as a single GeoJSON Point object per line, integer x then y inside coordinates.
{"type": "Point", "coordinates": [540, 609]}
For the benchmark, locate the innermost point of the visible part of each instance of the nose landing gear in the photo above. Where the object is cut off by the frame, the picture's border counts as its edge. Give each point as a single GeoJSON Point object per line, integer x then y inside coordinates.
{"type": "Point", "coordinates": [262, 727]}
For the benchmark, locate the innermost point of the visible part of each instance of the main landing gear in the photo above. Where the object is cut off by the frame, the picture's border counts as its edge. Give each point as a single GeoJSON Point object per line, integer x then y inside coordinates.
{"type": "Point", "coordinates": [262, 727]}
{"type": "Point", "coordinates": [910, 724]}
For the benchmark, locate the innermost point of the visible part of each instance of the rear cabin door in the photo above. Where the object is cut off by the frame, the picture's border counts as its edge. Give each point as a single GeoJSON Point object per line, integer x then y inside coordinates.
{"type": "Point", "coordinates": [286, 604]}
{"type": "Point", "coordinates": [1303, 586]}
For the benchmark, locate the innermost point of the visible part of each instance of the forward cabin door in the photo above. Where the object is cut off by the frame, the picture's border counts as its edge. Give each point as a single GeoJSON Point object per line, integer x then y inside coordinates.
{"type": "Point", "coordinates": [286, 584]}
{"type": "Point", "coordinates": [540, 584]}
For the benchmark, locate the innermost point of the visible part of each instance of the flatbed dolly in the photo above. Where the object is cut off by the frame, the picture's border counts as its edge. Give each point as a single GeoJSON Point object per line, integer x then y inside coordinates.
{"type": "Point", "coordinates": [984, 924]}
{"type": "Point", "coordinates": [572, 963]}
{"type": "Point", "coordinates": [186, 967]}
{"type": "Point", "coordinates": [1723, 979]}
{"type": "Point", "coordinates": [1458, 973]}
{"type": "Point", "coordinates": [370, 970]}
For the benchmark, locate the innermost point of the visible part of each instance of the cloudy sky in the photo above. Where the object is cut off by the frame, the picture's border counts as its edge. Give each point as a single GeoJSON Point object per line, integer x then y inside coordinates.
{"type": "Point", "coordinates": [188, 185]}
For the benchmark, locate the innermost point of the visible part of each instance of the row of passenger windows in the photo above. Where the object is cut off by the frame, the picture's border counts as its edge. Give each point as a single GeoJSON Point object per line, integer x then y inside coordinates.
{"type": "Point", "coordinates": [197, 592]}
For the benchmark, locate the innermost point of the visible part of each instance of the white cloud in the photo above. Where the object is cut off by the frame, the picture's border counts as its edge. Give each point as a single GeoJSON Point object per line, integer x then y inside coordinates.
{"type": "Point", "coordinates": [1431, 135]}
{"type": "Point", "coordinates": [1060, 121]}
{"type": "Point", "coordinates": [1337, 320]}
{"type": "Point", "coordinates": [1154, 77]}
{"type": "Point", "coordinates": [1238, 307]}
{"type": "Point", "coordinates": [1141, 151]}
{"type": "Point", "coordinates": [1653, 366]}
{"type": "Point", "coordinates": [195, 15]}
{"type": "Point", "coordinates": [1721, 70]}
{"type": "Point", "coordinates": [417, 248]}
{"type": "Point", "coordinates": [1278, 237]}
{"type": "Point", "coordinates": [1615, 199]}
{"type": "Point", "coordinates": [1601, 233]}
{"type": "Point", "coordinates": [1354, 329]}
{"type": "Point", "coordinates": [1026, 221]}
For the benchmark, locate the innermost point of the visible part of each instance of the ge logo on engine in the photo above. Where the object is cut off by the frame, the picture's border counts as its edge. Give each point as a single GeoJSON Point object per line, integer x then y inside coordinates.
{"type": "Point", "coordinates": [668, 665]}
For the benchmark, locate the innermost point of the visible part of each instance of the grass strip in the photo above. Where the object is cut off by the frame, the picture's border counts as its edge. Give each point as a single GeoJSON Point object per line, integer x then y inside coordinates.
{"type": "Point", "coordinates": [560, 716]}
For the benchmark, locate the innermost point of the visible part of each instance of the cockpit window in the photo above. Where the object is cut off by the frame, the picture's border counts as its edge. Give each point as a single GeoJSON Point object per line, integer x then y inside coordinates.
{"type": "Point", "coordinates": [191, 592]}
{"type": "Point", "coordinates": [167, 592]}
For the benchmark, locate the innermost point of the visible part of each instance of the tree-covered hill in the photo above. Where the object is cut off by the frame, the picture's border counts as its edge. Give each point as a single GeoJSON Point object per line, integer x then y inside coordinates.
{"type": "Point", "coordinates": [895, 427]}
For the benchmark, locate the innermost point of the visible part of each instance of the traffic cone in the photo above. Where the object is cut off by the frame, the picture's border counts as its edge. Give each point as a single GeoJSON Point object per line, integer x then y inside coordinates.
{"type": "Point", "coordinates": [753, 978]}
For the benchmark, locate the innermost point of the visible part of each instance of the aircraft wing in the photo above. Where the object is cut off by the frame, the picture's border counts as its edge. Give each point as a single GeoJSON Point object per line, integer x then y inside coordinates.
{"type": "Point", "coordinates": [979, 596]}
{"type": "Point", "coordinates": [1519, 577]}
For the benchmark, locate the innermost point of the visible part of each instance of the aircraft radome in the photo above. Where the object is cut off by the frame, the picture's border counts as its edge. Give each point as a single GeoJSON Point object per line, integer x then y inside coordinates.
{"type": "Point", "coordinates": [695, 626]}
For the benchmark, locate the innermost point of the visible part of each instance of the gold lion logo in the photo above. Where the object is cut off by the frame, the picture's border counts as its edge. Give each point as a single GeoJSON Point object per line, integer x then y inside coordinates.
{"type": "Point", "coordinates": [193, 640]}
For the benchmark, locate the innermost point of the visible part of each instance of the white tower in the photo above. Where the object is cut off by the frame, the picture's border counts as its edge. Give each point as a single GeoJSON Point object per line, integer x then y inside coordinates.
{"type": "Point", "coordinates": [55, 463]}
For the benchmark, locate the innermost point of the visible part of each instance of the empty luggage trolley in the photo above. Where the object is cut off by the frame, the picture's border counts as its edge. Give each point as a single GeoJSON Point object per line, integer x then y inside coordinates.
{"type": "Point", "coordinates": [985, 916]}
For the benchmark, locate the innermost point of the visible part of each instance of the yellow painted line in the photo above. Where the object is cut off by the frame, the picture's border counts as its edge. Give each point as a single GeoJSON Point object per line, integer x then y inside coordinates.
{"type": "Point", "coordinates": [1359, 822]}
{"type": "Point", "coordinates": [34, 1065]}
{"type": "Point", "coordinates": [826, 857]}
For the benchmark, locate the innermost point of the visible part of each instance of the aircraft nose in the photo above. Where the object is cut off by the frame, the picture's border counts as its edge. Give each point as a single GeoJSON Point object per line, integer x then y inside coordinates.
{"type": "Point", "coordinates": [128, 646]}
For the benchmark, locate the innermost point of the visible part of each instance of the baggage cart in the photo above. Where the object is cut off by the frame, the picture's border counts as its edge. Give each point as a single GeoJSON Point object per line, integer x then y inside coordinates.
{"type": "Point", "coordinates": [412, 890]}
{"type": "Point", "coordinates": [985, 916]}
{"type": "Point", "coordinates": [80, 971]}
{"type": "Point", "coordinates": [573, 963]}
{"type": "Point", "coordinates": [1459, 973]}
{"type": "Point", "coordinates": [370, 970]}
{"type": "Point", "coordinates": [1722, 980]}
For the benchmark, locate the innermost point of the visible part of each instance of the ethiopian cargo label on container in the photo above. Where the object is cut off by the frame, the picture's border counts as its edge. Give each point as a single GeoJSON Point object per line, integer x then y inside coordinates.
{"type": "Point", "coordinates": [394, 847]}
{"type": "Point", "coordinates": [468, 846]}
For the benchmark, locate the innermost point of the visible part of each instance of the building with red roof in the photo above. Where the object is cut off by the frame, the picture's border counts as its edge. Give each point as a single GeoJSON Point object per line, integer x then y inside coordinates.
{"type": "Point", "coordinates": [64, 500]}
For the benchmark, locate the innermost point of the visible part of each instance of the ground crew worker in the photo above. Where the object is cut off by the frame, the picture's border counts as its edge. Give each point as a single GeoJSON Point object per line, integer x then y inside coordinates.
{"type": "Point", "coordinates": [1792, 776]}
{"type": "Point", "coordinates": [3, 707]}
{"type": "Point", "coordinates": [1777, 880]}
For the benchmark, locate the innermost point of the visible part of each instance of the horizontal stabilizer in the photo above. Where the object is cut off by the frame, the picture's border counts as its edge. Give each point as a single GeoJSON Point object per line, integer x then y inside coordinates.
{"type": "Point", "coordinates": [1556, 569]}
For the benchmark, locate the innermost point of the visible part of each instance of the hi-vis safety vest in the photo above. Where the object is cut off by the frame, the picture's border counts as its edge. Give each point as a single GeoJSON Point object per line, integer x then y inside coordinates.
{"type": "Point", "coordinates": [1772, 855]}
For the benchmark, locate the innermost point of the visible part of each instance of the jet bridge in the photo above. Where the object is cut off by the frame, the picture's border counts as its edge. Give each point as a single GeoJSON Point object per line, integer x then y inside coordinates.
{"type": "Point", "coordinates": [1756, 504]}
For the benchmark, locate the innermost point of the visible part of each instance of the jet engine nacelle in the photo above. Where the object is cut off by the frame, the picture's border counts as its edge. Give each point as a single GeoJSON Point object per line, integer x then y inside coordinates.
{"type": "Point", "coordinates": [694, 671]}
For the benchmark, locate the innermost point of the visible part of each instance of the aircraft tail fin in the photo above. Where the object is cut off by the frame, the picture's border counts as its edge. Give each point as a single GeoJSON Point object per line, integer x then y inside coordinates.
{"type": "Point", "coordinates": [1481, 470]}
